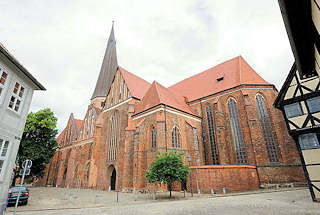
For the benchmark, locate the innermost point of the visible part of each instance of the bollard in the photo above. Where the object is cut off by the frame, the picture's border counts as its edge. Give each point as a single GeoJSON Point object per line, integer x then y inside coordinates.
{"type": "Point", "coordinates": [184, 194]}
{"type": "Point", "coordinates": [109, 189]}
{"type": "Point", "coordinates": [117, 196]}
{"type": "Point", "coordinates": [277, 186]}
{"type": "Point", "coordinates": [224, 190]}
{"type": "Point", "coordinates": [135, 194]}
{"type": "Point", "coordinates": [199, 192]}
{"type": "Point", "coordinates": [212, 192]}
{"type": "Point", "coordinates": [153, 195]}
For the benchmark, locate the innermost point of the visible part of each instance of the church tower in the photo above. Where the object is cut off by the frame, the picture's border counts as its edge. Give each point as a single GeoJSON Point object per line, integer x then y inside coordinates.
{"type": "Point", "coordinates": [107, 72]}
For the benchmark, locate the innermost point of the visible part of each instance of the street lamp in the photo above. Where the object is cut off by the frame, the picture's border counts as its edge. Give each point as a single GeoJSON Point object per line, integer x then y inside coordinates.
{"type": "Point", "coordinates": [189, 160]}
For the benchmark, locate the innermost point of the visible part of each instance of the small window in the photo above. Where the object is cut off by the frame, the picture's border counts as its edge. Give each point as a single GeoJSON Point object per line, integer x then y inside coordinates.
{"type": "Point", "coordinates": [176, 138]}
{"type": "Point", "coordinates": [220, 79]}
{"type": "Point", "coordinates": [3, 78]}
{"type": "Point", "coordinates": [293, 110]}
{"type": "Point", "coordinates": [4, 147]}
{"type": "Point", "coordinates": [153, 137]}
{"type": "Point", "coordinates": [308, 141]}
{"type": "Point", "coordinates": [17, 97]}
{"type": "Point", "coordinates": [314, 104]}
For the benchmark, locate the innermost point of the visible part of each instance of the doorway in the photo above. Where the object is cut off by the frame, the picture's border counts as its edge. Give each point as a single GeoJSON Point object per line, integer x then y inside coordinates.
{"type": "Point", "coordinates": [113, 179]}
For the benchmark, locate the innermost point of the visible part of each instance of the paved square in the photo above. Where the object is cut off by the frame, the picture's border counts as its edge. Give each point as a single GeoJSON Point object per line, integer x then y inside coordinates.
{"type": "Point", "coordinates": [71, 202]}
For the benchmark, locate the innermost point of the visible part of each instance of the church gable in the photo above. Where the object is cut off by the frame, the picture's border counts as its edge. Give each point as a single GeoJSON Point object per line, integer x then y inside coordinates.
{"type": "Point", "coordinates": [118, 92]}
{"type": "Point", "coordinates": [71, 131]}
{"type": "Point", "coordinates": [88, 124]}
{"type": "Point", "coordinates": [125, 85]}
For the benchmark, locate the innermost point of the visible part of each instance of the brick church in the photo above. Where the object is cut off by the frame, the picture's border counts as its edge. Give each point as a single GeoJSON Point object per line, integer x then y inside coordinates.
{"type": "Point", "coordinates": [222, 117]}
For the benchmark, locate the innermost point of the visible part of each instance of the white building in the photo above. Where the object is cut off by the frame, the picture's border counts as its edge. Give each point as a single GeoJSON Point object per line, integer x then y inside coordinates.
{"type": "Point", "coordinates": [16, 90]}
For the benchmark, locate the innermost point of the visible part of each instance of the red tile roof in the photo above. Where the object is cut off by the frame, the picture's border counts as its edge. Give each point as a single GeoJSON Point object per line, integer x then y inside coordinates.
{"type": "Point", "coordinates": [234, 72]}
{"type": "Point", "coordinates": [137, 86]}
{"type": "Point", "coordinates": [158, 94]}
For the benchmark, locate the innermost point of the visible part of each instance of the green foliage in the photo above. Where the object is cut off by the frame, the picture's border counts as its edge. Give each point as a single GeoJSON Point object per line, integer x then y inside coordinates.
{"type": "Point", "coordinates": [167, 168]}
{"type": "Point", "coordinates": [38, 140]}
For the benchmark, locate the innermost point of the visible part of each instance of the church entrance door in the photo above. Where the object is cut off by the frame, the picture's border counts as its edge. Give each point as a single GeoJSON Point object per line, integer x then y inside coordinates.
{"type": "Point", "coordinates": [113, 179]}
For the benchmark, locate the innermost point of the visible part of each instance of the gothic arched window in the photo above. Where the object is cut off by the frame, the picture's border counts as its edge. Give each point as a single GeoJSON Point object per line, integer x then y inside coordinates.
{"type": "Point", "coordinates": [266, 129]}
{"type": "Point", "coordinates": [176, 137]}
{"type": "Point", "coordinates": [153, 137]}
{"type": "Point", "coordinates": [75, 176]}
{"type": "Point", "coordinates": [236, 132]}
{"type": "Point", "coordinates": [212, 136]}
{"type": "Point", "coordinates": [114, 137]}
{"type": "Point", "coordinates": [88, 172]}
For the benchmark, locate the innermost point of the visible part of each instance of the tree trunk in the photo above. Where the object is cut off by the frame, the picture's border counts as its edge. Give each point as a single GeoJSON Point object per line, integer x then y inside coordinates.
{"type": "Point", "coordinates": [169, 186]}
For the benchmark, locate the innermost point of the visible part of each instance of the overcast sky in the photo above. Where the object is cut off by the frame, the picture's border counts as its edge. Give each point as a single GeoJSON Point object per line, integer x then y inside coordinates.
{"type": "Point", "coordinates": [62, 42]}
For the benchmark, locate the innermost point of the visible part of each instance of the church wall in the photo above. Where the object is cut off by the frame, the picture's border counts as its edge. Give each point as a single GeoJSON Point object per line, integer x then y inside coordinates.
{"type": "Point", "coordinates": [252, 133]}
{"type": "Point", "coordinates": [144, 154]}
{"type": "Point", "coordinates": [103, 166]}
{"type": "Point", "coordinates": [218, 177]}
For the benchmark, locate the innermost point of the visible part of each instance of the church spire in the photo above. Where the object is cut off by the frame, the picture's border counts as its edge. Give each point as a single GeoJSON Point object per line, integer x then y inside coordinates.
{"type": "Point", "coordinates": [108, 68]}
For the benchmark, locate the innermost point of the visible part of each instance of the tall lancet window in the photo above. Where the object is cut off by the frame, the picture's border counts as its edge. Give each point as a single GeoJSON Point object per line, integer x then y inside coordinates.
{"type": "Point", "coordinates": [266, 129]}
{"type": "Point", "coordinates": [153, 137]}
{"type": "Point", "coordinates": [176, 137]}
{"type": "Point", "coordinates": [236, 132]}
{"type": "Point", "coordinates": [114, 137]}
{"type": "Point", "coordinates": [212, 136]}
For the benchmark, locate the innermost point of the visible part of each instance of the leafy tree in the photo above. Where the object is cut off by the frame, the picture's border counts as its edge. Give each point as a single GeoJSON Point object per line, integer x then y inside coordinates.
{"type": "Point", "coordinates": [167, 168]}
{"type": "Point", "coordinates": [38, 141]}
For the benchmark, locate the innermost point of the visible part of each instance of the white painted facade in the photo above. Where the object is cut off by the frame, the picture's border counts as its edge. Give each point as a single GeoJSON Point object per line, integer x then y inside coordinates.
{"type": "Point", "coordinates": [12, 116]}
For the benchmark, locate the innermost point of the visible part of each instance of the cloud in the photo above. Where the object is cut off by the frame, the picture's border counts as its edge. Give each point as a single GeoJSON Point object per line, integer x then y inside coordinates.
{"type": "Point", "coordinates": [62, 43]}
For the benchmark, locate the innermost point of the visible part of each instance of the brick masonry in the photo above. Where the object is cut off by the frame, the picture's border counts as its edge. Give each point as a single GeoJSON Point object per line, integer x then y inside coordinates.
{"type": "Point", "coordinates": [69, 166]}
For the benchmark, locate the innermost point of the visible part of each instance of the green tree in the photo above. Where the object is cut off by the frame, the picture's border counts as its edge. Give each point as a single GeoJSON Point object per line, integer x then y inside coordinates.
{"type": "Point", "coordinates": [38, 141]}
{"type": "Point", "coordinates": [167, 168]}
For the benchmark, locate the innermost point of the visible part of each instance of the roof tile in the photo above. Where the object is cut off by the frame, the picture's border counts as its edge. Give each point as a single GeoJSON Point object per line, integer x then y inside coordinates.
{"type": "Point", "coordinates": [235, 71]}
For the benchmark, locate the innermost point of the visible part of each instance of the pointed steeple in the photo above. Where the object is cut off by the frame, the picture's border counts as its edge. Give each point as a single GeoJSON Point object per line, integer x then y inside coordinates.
{"type": "Point", "coordinates": [108, 68]}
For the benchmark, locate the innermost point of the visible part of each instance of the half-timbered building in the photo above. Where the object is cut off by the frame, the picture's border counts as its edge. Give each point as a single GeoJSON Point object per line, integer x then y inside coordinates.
{"type": "Point", "coordinates": [299, 97]}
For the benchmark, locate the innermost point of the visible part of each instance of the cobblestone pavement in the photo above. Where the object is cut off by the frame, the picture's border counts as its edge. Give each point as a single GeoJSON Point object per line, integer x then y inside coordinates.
{"type": "Point", "coordinates": [56, 201]}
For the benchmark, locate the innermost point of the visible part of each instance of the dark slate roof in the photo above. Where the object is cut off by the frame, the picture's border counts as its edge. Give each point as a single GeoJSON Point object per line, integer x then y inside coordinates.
{"type": "Point", "coordinates": [108, 68]}
{"type": "Point", "coordinates": [13, 60]}
{"type": "Point", "coordinates": [278, 102]}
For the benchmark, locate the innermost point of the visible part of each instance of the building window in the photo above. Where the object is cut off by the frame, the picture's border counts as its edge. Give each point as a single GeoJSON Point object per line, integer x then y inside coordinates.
{"type": "Point", "coordinates": [308, 141]}
{"type": "Point", "coordinates": [3, 80]}
{"type": "Point", "coordinates": [153, 137]}
{"type": "Point", "coordinates": [293, 110]}
{"type": "Point", "coordinates": [4, 148]}
{"type": "Point", "coordinates": [236, 132]}
{"type": "Point", "coordinates": [176, 138]}
{"type": "Point", "coordinates": [314, 104]}
{"type": "Point", "coordinates": [114, 137]}
{"type": "Point", "coordinates": [88, 172]}
{"type": "Point", "coordinates": [266, 129]}
{"type": "Point", "coordinates": [212, 136]}
{"type": "Point", "coordinates": [16, 97]}
{"type": "Point", "coordinates": [75, 176]}
{"type": "Point", "coordinates": [90, 151]}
